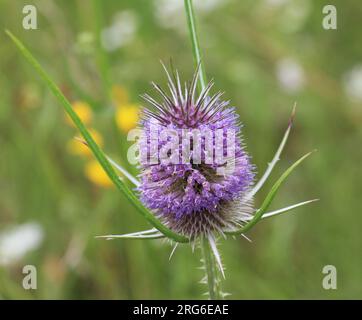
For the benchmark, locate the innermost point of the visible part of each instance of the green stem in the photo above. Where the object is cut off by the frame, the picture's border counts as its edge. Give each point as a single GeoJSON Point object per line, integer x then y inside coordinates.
{"type": "Point", "coordinates": [195, 43]}
{"type": "Point", "coordinates": [211, 269]}
{"type": "Point", "coordinates": [212, 275]}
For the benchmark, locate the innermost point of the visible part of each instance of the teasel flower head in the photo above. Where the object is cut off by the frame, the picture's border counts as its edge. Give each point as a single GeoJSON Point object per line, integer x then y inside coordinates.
{"type": "Point", "coordinates": [195, 197]}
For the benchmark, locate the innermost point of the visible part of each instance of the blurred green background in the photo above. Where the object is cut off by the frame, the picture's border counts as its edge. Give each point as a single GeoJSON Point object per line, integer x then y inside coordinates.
{"type": "Point", "coordinates": [266, 55]}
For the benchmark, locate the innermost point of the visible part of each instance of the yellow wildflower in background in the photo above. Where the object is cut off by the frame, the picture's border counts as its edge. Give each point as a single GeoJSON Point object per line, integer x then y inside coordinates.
{"type": "Point", "coordinates": [78, 148]}
{"type": "Point", "coordinates": [84, 112]}
{"type": "Point", "coordinates": [95, 173]}
{"type": "Point", "coordinates": [126, 112]}
{"type": "Point", "coordinates": [92, 170]}
{"type": "Point", "coordinates": [127, 117]}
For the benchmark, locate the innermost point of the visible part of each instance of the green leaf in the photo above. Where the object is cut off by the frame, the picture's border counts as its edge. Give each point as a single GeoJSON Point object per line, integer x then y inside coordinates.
{"type": "Point", "coordinates": [93, 146]}
{"type": "Point", "coordinates": [269, 198]}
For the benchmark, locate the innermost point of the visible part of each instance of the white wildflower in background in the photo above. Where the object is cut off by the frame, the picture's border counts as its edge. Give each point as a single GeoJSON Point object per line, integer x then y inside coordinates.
{"type": "Point", "coordinates": [275, 3]}
{"type": "Point", "coordinates": [209, 5]}
{"type": "Point", "coordinates": [85, 43]}
{"type": "Point", "coordinates": [120, 32]}
{"type": "Point", "coordinates": [19, 240]}
{"type": "Point", "coordinates": [167, 14]}
{"type": "Point", "coordinates": [291, 14]}
{"type": "Point", "coordinates": [290, 75]}
{"type": "Point", "coordinates": [168, 11]}
{"type": "Point", "coordinates": [352, 83]}
{"type": "Point", "coordinates": [295, 15]}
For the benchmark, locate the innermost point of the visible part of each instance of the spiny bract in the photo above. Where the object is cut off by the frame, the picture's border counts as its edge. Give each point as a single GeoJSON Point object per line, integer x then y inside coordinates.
{"type": "Point", "coordinates": [192, 198]}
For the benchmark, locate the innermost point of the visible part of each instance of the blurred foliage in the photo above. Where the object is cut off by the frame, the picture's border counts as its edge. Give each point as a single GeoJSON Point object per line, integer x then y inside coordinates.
{"type": "Point", "coordinates": [98, 50]}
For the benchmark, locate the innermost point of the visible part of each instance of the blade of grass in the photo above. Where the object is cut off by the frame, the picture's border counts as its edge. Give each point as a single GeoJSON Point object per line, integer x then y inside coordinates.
{"type": "Point", "coordinates": [93, 146]}
{"type": "Point", "coordinates": [269, 198]}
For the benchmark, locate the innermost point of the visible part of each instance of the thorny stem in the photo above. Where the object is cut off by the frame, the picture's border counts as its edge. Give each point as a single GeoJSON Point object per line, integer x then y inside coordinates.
{"type": "Point", "coordinates": [211, 269]}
